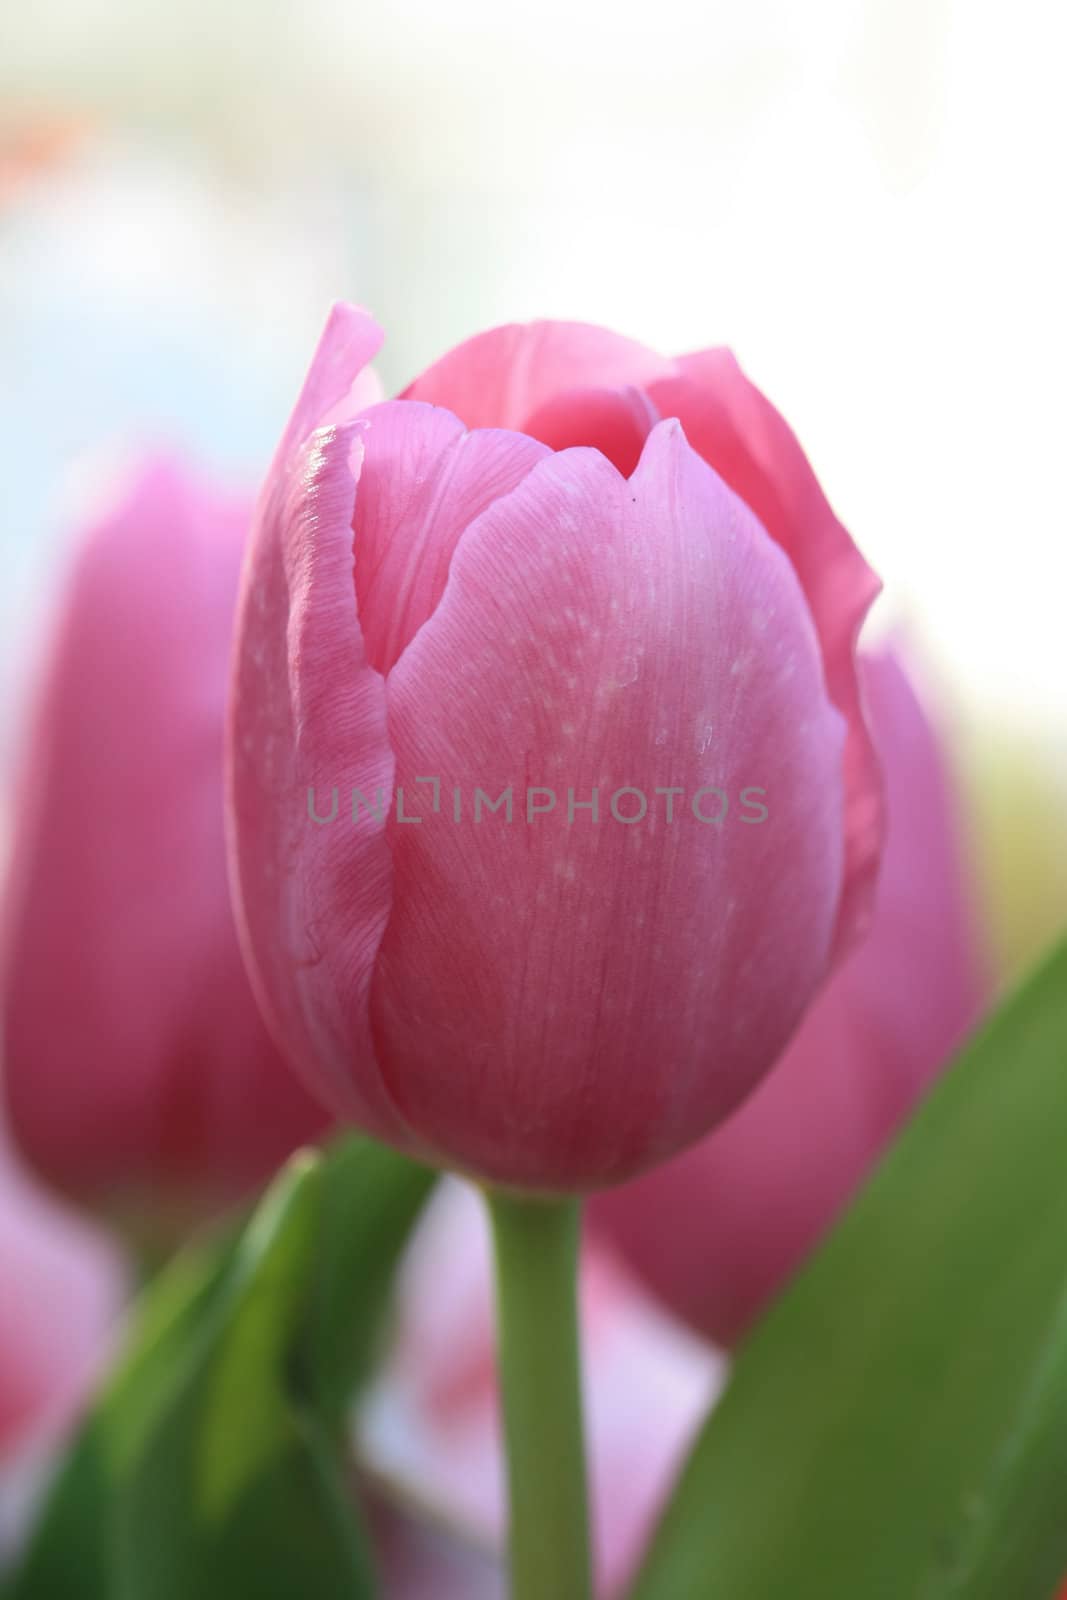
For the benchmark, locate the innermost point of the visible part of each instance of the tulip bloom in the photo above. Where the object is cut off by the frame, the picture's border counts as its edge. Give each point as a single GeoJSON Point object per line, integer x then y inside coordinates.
{"type": "Point", "coordinates": [719, 1230]}
{"type": "Point", "coordinates": [476, 668]}
{"type": "Point", "coordinates": [137, 1066]}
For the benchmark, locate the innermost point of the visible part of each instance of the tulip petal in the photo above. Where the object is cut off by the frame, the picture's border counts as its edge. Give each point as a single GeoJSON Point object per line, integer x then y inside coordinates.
{"type": "Point", "coordinates": [923, 941]}
{"type": "Point", "coordinates": [424, 478]}
{"type": "Point", "coordinates": [614, 421]}
{"type": "Point", "coordinates": [737, 430]}
{"type": "Point", "coordinates": [339, 382]}
{"type": "Point", "coordinates": [601, 633]}
{"type": "Point", "coordinates": [308, 728]}
{"type": "Point", "coordinates": [499, 378]}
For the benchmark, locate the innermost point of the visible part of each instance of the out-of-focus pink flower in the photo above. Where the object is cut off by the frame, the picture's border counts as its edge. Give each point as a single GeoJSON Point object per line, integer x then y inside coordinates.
{"type": "Point", "coordinates": [719, 1230]}
{"type": "Point", "coordinates": [137, 1066]}
{"type": "Point", "coordinates": [63, 1284]}
{"type": "Point", "coordinates": [431, 1425]}
{"type": "Point", "coordinates": [543, 998]}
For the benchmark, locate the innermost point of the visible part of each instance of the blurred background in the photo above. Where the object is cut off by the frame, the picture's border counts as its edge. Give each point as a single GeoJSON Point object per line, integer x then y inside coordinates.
{"type": "Point", "coordinates": [862, 199]}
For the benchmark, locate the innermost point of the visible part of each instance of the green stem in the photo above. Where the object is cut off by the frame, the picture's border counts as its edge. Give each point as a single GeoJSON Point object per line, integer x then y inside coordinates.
{"type": "Point", "coordinates": [536, 1248]}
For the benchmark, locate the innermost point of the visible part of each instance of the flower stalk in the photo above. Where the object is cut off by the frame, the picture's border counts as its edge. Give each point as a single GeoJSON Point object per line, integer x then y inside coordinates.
{"type": "Point", "coordinates": [536, 1253]}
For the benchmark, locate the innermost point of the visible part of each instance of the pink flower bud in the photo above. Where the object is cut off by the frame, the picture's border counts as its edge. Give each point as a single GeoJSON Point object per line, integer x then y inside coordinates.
{"type": "Point", "coordinates": [719, 1230]}
{"type": "Point", "coordinates": [551, 800]}
{"type": "Point", "coordinates": [137, 1066]}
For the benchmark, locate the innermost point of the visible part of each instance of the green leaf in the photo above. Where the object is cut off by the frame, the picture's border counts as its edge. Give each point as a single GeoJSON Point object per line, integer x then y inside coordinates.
{"type": "Point", "coordinates": [372, 1199]}
{"type": "Point", "coordinates": [212, 1463]}
{"type": "Point", "coordinates": [71, 1549]}
{"type": "Point", "coordinates": [232, 1490]}
{"type": "Point", "coordinates": [68, 1552]}
{"type": "Point", "coordinates": [896, 1429]}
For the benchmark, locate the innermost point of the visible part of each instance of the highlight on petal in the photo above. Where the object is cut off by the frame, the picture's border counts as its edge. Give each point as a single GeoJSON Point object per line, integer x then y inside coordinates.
{"type": "Point", "coordinates": [500, 378]}
{"type": "Point", "coordinates": [599, 633]}
{"type": "Point", "coordinates": [338, 382]}
{"type": "Point", "coordinates": [307, 722]}
{"type": "Point", "coordinates": [735, 428]}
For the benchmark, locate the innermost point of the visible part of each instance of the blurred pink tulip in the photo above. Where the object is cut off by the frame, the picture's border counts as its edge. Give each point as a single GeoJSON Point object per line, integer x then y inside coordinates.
{"type": "Point", "coordinates": [545, 999]}
{"type": "Point", "coordinates": [718, 1231]}
{"type": "Point", "coordinates": [431, 1427]}
{"type": "Point", "coordinates": [137, 1066]}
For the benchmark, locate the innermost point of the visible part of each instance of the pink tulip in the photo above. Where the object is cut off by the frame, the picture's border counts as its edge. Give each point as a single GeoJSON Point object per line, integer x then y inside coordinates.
{"type": "Point", "coordinates": [718, 1231]}
{"type": "Point", "coordinates": [544, 999]}
{"type": "Point", "coordinates": [137, 1065]}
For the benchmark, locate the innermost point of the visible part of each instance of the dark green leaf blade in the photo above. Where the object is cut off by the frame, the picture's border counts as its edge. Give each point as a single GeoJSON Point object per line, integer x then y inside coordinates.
{"type": "Point", "coordinates": [896, 1429]}
{"type": "Point", "coordinates": [68, 1552]}
{"type": "Point", "coordinates": [372, 1199]}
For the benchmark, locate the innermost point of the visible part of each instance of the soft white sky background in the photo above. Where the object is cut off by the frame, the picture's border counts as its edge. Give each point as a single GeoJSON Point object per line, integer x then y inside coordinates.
{"type": "Point", "coordinates": [865, 199]}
